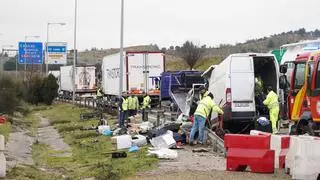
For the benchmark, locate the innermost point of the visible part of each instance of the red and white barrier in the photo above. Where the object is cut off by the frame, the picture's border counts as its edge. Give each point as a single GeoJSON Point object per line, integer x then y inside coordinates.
{"type": "Point", "coordinates": [278, 143]}
{"type": "Point", "coordinates": [249, 150]}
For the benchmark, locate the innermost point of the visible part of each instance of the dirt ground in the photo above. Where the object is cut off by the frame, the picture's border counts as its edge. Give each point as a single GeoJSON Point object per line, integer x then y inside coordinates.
{"type": "Point", "coordinates": [19, 146]}
{"type": "Point", "coordinates": [205, 165]}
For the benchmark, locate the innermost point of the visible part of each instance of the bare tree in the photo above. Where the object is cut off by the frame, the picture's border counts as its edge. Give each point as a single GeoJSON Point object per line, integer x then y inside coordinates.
{"type": "Point", "coordinates": [190, 53]}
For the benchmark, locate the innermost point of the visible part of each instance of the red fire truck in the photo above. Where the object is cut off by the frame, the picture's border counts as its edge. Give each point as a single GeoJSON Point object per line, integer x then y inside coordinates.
{"type": "Point", "coordinates": [304, 93]}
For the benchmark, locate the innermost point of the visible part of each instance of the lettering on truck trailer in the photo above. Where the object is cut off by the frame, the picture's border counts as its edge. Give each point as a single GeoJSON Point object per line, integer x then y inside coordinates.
{"type": "Point", "coordinates": [143, 67]}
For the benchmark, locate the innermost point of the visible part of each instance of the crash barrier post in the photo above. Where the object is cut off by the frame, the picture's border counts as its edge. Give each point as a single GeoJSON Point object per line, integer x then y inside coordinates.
{"type": "Point", "coordinates": [249, 150]}
{"type": "Point", "coordinates": [303, 158]}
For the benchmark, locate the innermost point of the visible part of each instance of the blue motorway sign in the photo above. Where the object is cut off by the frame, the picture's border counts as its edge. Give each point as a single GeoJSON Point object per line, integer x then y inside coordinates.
{"type": "Point", "coordinates": [30, 53]}
{"type": "Point", "coordinates": [57, 49]}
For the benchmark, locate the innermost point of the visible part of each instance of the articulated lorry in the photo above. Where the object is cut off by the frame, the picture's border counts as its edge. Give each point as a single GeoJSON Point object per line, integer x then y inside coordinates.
{"type": "Point", "coordinates": [141, 74]}
{"type": "Point", "coordinates": [233, 84]}
{"type": "Point", "coordinates": [303, 93]}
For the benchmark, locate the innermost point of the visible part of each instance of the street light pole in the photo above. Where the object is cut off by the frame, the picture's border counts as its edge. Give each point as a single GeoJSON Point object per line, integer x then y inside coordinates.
{"type": "Point", "coordinates": [74, 52]}
{"type": "Point", "coordinates": [48, 25]}
{"type": "Point", "coordinates": [121, 54]}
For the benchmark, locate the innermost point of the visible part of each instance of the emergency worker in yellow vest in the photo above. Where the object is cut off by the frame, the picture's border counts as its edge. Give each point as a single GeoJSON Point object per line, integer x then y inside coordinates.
{"type": "Point", "coordinates": [99, 93]}
{"type": "Point", "coordinates": [145, 106]}
{"type": "Point", "coordinates": [203, 111]}
{"type": "Point", "coordinates": [272, 103]}
{"type": "Point", "coordinates": [203, 92]}
{"type": "Point", "coordinates": [131, 105]}
{"type": "Point", "coordinates": [123, 105]}
{"type": "Point", "coordinates": [136, 107]}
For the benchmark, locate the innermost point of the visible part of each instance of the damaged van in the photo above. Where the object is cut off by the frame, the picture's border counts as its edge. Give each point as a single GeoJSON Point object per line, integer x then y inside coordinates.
{"type": "Point", "coordinates": [234, 85]}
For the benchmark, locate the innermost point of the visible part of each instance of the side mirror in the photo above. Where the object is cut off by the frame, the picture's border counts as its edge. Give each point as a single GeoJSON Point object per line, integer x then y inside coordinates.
{"type": "Point", "coordinates": [283, 68]}
{"type": "Point", "coordinates": [283, 83]}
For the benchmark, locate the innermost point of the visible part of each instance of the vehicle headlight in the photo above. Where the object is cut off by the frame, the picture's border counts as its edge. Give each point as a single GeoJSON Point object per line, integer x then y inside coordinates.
{"type": "Point", "coordinates": [318, 107]}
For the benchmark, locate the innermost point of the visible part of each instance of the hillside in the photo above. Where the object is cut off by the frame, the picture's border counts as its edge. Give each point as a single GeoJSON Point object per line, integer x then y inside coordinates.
{"type": "Point", "coordinates": [212, 55]}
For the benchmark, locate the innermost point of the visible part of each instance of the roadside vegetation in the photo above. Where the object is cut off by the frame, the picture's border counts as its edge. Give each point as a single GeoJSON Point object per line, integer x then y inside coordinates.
{"type": "Point", "coordinates": [90, 151]}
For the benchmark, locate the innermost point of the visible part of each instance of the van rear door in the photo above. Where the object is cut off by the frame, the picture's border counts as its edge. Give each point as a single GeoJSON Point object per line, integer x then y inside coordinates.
{"type": "Point", "coordinates": [242, 84]}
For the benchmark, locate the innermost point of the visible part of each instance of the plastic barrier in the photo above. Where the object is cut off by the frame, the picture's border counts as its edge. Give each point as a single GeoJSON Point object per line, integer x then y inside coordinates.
{"type": "Point", "coordinates": [280, 144]}
{"type": "Point", "coordinates": [249, 150]}
{"type": "Point", "coordinates": [303, 159]}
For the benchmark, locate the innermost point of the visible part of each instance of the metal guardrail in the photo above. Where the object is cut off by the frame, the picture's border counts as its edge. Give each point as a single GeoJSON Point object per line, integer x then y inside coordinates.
{"type": "Point", "coordinates": [217, 142]}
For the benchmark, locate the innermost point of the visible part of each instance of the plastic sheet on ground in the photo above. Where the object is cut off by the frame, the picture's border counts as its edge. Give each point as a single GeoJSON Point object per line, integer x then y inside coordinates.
{"type": "Point", "coordinates": [163, 141]}
{"type": "Point", "coordinates": [163, 153]}
{"type": "Point", "coordinates": [139, 140]}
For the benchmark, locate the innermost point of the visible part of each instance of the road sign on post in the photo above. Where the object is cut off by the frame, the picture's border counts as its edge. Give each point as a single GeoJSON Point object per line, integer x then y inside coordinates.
{"type": "Point", "coordinates": [57, 53]}
{"type": "Point", "coordinates": [30, 53]}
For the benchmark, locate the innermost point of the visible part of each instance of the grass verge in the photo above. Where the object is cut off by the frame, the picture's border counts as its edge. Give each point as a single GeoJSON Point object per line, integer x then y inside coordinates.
{"type": "Point", "coordinates": [90, 151]}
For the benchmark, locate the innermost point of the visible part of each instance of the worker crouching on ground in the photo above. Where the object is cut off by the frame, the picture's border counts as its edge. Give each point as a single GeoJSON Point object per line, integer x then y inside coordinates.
{"type": "Point", "coordinates": [273, 104]}
{"type": "Point", "coordinates": [203, 111]}
{"type": "Point", "coordinates": [123, 105]}
{"type": "Point", "coordinates": [145, 107]}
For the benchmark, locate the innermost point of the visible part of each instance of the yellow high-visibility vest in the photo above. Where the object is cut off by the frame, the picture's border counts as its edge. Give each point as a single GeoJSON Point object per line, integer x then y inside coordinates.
{"type": "Point", "coordinates": [272, 100]}
{"type": "Point", "coordinates": [124, 104]}
{"type": "Point", "coordinates": [205, 106]}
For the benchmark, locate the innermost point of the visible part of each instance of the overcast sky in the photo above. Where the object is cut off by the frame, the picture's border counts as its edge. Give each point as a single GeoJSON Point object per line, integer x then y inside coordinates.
{"type": "Point", "coordinates": [162, 22]}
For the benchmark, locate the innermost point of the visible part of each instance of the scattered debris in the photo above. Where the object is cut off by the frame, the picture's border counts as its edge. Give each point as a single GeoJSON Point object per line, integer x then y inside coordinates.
{"type": "Point", "coordinates": [133, 149]}
{"type": "Point", "coordinates": [163, 153]}
{"type": "Point", "coordinates": [163, 141]}
{"type": "Point", "coordinates": [200, 150]}
{"type": "Point", "coordinates": [139, 140]}
{"type": "Point", "coordinates": [121, 142]}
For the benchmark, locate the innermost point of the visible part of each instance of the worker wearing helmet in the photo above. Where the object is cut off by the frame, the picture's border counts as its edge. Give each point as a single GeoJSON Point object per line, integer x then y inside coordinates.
{"type": "Point", "coordinates": [273, 105]}
{"type": "Point", "coordinates": [203, 92]}
{"type": "Point", "coordinates": [123, 106]}
{"type": "Point", "coordinates": [203, 111]}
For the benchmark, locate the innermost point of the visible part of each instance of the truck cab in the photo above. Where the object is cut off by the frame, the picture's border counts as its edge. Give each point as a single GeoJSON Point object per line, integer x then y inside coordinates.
{"type": "Point", "coordinates": [304, 93]}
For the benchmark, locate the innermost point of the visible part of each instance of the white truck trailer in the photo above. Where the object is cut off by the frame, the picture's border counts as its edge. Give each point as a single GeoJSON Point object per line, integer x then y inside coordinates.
{"type": "Point", "coordinates": [85, 79]}
{"type": "Point", "coordinates": [141, 73]}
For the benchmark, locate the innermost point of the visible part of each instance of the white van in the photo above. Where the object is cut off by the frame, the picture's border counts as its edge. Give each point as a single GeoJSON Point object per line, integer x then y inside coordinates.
{"type": "Point", "coordinates": [232, 83]}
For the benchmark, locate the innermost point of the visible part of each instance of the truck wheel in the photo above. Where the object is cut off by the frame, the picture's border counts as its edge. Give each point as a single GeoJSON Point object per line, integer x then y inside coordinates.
{"type": "Point", "coordinates": [293, 130]}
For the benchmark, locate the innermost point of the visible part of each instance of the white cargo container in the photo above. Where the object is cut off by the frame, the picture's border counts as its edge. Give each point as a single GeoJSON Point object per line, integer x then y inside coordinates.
{"type": "Point", "coordinates": [85, 79]}
{"type": "Point", "coordinates": [141, 73]}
